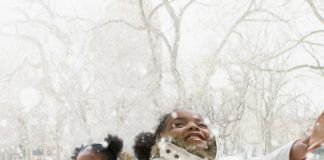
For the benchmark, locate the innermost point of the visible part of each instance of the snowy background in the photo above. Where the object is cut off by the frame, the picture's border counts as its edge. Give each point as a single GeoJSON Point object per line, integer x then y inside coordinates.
{"type": "Point", "coordinates": [72, 71]}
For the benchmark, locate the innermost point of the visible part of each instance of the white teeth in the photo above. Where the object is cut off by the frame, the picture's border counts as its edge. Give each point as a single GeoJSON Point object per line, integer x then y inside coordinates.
{"type": "Point", "coordinates": [194, 138]}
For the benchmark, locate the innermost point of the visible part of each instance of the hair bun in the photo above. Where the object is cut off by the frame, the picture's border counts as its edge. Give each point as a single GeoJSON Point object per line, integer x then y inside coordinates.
{"type": "Point", "coordinates": [143, 145]}
{"type": "Point", "coordinates": [115, 144]}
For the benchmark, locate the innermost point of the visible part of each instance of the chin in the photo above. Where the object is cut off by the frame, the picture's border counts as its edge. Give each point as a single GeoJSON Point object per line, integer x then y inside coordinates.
{"type": "Point", "coordinates": [198, 145]}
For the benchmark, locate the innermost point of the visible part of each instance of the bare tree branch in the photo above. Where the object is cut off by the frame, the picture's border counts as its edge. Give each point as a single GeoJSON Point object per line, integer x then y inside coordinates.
{"type": "Point", "coordinates": [176, 19]}
{"type": "Point", "coordinates": [119, 21]}
{"type": "Point", "coordinates": [315, 11]}
{"type": "Point", "coordinates": [53, 14]}
{"type": "Point", "coordinates": [153, 41]}
{"type": "Point", "coordinates": [211, 68]}
{"type": "Point", "coordinates": [295, 68]}
{"type": "Point", "coordinates": [300, 41]}
{"type": "Point", "coordinates": [185, 8]}
{"type": "Point", "coordinates": [155, 9]}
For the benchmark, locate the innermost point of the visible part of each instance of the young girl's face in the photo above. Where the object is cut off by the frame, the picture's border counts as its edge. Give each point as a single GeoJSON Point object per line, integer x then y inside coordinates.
{"type": "Point", "coordinates": [188, 127]}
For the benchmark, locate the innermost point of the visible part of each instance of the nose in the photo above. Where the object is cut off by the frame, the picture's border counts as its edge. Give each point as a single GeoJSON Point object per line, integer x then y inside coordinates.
{"type": "Point", "coordinates": [193, 127]}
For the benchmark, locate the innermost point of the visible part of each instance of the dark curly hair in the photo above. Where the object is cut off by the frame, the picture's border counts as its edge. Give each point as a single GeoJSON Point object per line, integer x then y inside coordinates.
{"type": "Point", "coordinates": [111, 151]}
{"type": "Point", "coordinates": [145, 140]}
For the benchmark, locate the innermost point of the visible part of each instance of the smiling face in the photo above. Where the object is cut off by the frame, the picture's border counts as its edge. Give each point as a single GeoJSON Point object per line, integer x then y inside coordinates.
{"type": "Point", "coordinates": [188, 127]}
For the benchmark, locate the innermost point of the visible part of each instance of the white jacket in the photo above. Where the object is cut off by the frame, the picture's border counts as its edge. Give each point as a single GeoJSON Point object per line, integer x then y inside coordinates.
{"type": "Point", "coordinates": [280, 154]}
{"type": "Point", "coordinates": [169, 151]}
{"type": "Point", "coordinates": [283, 153]}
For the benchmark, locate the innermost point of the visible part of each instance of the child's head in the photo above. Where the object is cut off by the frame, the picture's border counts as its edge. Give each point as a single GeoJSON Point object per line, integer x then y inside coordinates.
{"type": "Point", "coordinates": [183, 125]}
{"type": "Point", "coordinates": [98, 151]}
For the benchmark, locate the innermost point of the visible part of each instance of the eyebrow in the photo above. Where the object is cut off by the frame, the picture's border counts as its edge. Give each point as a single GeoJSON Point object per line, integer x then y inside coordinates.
{"type": "Point", "coordinates": [195, 119]}
{"type": "Point", "coordinates": [179, 118]}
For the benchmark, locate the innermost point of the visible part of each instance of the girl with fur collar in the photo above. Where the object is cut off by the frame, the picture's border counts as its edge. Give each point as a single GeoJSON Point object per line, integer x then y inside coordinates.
{"type": "Point", "coordinates": [188, 131]}
{"type": "Point", "coordinates": [182, 128]}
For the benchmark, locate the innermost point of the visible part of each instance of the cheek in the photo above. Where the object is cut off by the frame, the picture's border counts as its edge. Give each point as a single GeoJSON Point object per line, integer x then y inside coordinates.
{"type": "Point", "coordinates": [177, 132]}
{"type": "Point", "coordinates": [206, 133]}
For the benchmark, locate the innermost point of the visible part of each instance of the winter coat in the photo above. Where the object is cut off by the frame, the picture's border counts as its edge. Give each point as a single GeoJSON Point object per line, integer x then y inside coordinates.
{"type": "Point", "coordinates": [169, 151]}
{"type": "Point", "coordinates": [280, 154]}
{"type": "Point", "coordinates": [173, 149]}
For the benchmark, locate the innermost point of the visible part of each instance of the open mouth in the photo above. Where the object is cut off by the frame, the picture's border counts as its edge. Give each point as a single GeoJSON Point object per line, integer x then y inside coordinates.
{"type": "Point", "coordinates": [195, 137]}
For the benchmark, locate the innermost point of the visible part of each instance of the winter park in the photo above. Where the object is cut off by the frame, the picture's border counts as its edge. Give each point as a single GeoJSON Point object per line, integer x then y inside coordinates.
{"type": "Point", "coordinates": [161, 80]}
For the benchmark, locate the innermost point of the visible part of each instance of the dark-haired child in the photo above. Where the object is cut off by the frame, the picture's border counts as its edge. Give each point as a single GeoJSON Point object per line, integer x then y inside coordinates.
{"type": "Point", "coordinates": [192, 134]}
{"type": "Point", "coordinates": [100, 152]}
{"type": "Point", "coordinates": [185, 129]}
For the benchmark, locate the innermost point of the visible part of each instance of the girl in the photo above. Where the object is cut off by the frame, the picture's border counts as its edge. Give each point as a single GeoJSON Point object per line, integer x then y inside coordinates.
{"type": "Point", "coordinates": [184, 129]}
{"type": "Point", "coordinates": [187, 130]}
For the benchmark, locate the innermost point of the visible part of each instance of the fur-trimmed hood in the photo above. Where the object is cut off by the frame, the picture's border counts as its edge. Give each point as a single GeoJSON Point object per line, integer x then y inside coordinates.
{"type": "Point", "coordinates": [209, 153]}
{"type": "Point", "coordinates": [147, 146]}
